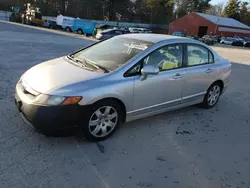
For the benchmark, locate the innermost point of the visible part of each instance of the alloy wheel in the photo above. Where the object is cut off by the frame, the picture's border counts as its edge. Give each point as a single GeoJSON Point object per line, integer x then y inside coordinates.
{"type": "Point", "coordinates": [213, 95]}
{"type": "Point", "coordinates": [103, 121]}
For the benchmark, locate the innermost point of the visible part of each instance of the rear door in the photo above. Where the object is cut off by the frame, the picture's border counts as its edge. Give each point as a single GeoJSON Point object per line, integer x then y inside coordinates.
{"type": "Point", "coordinates": [200, 72]}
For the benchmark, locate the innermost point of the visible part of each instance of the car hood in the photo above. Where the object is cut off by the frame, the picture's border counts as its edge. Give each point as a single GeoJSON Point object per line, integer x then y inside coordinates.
{"type": "Point", "coordinates": [56, 73]}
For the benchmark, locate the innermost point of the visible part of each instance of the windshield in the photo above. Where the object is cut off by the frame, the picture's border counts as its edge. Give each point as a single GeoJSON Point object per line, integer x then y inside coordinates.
{"type": "Point", "coordinates": [113, 53]}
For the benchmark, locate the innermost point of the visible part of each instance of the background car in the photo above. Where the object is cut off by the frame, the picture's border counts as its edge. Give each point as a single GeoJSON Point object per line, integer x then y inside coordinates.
{"type": "Point", "coordinates": [109, 33]}
{"type": "Point", "coordinates": [246, 41]}
{"type": "Point", "coordinates": [210, 37]}
{"type": "Point", "coordinates": [215, 38]}
{"type": "Point", "coordinates": [226, 40]}
{"type": "Point", "coordinates": [178, 33]}
{"type": "Point", "coordinates": [125, 30]}
{"type": "Point", "coordinates": [51, 24]}
{"type": "Point", "coordinates": [207, 40]}
{"type": "Point", "coordinates": [237, 41]}
{"type": "Point", "coordinates": [119, 80]}
{"type": "Point", "coordinates": [193, 37]}
{"type": "Point", "coordinates": [139, 30]}
{"type": "Point", "coordinates": [144, 30]}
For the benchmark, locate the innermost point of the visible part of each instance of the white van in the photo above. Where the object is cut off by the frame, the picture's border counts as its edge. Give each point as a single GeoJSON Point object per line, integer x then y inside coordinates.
{"type": "Point", "coordinates": [67, 23]}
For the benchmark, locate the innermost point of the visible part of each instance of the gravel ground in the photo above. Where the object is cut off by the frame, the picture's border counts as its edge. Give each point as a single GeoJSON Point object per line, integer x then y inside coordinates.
{"type": "Point", "coordinates": [187, 148]}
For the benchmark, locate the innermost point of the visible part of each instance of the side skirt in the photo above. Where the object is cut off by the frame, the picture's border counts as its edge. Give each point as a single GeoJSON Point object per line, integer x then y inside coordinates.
{"type": "Point", "coordinates": [131, 117]}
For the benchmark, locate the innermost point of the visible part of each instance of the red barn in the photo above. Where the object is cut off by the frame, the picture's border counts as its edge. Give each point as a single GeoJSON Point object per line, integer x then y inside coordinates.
{"type": "Point", "coordinates": [199, 24]}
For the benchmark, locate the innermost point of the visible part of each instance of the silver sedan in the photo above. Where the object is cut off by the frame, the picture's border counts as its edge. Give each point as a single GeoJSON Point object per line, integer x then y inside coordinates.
{"type": "Point", "coordinates": [119, 80]}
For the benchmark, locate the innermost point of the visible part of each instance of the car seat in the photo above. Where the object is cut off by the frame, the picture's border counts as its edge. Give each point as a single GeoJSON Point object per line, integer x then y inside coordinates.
{"type": "Point", "coordinates": [175, 62]}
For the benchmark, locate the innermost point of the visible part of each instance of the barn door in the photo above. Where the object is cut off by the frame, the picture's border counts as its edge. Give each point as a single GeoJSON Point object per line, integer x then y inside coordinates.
{"type": "Point", "coordinates": [202, 31]}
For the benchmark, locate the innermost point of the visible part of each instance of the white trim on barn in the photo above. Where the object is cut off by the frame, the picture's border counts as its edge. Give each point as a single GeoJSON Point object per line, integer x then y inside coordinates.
{"type": "Point", "coordinates": [233, 30]}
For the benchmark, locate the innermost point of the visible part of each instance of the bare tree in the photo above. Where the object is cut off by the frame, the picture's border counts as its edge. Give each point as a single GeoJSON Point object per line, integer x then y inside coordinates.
{"type": "Point", "coordinates": [216, 9]}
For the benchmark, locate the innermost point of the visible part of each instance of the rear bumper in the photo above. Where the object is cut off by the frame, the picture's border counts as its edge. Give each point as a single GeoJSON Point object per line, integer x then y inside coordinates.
{"type": "Point", "coordinates": [50, 118]}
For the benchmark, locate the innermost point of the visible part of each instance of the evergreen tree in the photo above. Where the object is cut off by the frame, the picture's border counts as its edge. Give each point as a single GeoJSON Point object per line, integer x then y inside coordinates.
{"type": "Point", "coordinates": [232, 10]}
{"type": "Point", "coordinates": [244, 13]}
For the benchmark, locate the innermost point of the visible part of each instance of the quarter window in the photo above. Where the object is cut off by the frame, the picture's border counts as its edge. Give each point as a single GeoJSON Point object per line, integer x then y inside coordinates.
{"type": "Point", "coordinates": [166, 58]}
{"type": "Point", "coordinates": [198, 55]}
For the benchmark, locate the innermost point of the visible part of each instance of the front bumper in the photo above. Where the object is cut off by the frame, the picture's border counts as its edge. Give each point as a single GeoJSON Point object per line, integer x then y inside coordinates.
{"type": "Point", "coordinates": [49, 118]}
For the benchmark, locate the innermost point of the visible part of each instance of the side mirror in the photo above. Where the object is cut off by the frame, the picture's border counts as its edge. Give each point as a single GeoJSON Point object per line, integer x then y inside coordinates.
{"type": "Point", "coordinates": [149, 70]}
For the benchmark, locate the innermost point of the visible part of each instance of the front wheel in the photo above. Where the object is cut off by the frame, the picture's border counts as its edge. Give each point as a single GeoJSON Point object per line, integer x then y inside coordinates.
{"type": "Point", "coordinates": [212, 96]}
{"type": "Point", "coordinates": [102, 121]}
{"type": "Point", "coordinates": [67, 29]}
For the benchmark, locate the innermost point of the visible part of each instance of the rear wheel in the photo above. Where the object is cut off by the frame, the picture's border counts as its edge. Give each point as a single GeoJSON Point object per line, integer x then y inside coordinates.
{"type": "Point", "coordinates": [102, 121]}
{"type": "Point", "coordinates": [79, 31]}
{"type": "Point", "coordinates": [213, 95]}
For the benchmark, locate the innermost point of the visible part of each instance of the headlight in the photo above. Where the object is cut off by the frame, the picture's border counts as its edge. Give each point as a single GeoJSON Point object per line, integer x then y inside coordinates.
{"type": "Point", "coordinates": [56, 100]}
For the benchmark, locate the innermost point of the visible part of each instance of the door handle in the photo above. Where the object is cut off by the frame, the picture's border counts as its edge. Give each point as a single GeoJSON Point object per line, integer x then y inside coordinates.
{"type": "Point", "coordinates": [177, 76]}
{"type": "Point", "coordinates": [209, 70]}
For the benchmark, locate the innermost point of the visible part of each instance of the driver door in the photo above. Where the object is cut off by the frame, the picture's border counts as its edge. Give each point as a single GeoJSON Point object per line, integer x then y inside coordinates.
{"type": "Point", "coordinates": [163, 90]}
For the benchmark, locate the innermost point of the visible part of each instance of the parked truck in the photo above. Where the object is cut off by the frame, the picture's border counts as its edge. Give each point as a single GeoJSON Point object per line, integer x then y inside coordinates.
{"type": "Point", "coordinates": [66, 23]}
{"type": "Point", "coordinates": [86, 27]}
{"type": "Point", "coordinates": [32, 16]}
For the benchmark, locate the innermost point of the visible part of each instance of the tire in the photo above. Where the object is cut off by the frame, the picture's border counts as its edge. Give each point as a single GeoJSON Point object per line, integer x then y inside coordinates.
{"type": "Point", "coordinates": [98, 115]}
{"type": "Point", "coordinates": [212, 96]}
{"type": "Point", "coordinates": [79, 31]}
{"type": "Point", "coordinates": [67, 29]}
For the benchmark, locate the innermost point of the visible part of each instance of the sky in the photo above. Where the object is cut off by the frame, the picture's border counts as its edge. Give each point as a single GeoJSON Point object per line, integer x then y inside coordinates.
{"type": "Point", "coordinates": [218, 1]}
{"type": "Point", "coordinates": [223, 1]}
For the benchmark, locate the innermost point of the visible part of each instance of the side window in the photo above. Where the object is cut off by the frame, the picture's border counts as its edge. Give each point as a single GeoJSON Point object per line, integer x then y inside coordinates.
{"type": "Point", "coordinates": [166, 58]}
{"type": "Point", "coordinates": [211, 58]}
{"type": "Point", "coordinates": [198, 55]}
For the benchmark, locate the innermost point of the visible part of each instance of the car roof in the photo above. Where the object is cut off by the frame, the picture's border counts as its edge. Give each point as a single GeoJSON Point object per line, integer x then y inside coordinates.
{"type": "Point", "coordinates": [153, 38]}
{"type": "Point", "coordinates": [108, 30]}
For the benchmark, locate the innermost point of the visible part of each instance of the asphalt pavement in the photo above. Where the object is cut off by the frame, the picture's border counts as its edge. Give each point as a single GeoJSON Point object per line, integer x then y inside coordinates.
{"type": "Point", "coordinates": [187, 148]}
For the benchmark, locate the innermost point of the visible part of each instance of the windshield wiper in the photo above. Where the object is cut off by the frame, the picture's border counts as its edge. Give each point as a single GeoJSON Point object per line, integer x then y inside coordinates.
{"type": "Point", "coordinates": [81, 63]}
{"type": "Point", "coordinates": [88, 63]}
{"type": "Point", "coordinates": [75, 60]}
{"type": "Point", "coordinates": [96, 65]}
